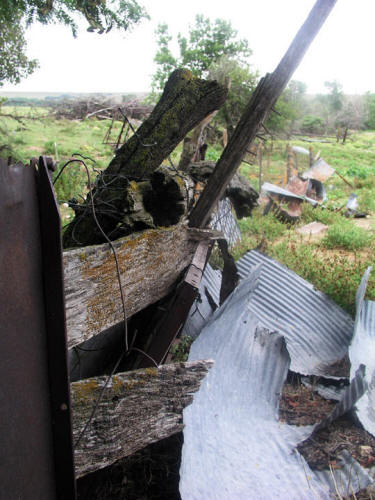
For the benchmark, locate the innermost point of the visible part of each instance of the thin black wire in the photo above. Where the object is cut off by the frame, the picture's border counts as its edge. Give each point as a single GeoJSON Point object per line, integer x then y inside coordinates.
{"type": "Point", "coordinates": [126, 351]}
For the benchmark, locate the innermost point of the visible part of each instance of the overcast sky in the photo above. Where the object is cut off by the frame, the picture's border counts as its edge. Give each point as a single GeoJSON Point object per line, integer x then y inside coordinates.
{"type": "Point", "coordinates": [343, 49]}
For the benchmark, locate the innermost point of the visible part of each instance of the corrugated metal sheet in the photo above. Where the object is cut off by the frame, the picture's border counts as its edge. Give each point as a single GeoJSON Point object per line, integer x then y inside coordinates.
{"type": "Point", "coordinates": [347, 479]}
{"type": "Point", "coordinates": [234, 446]}
{"type": "Point", "coordinates": [285, 193]}
{"type": "Point", "coordinates": [206, 303]}
{"type": "Point", "coordinates": [317, 331]}
{"type": "Point", "coordinates": [326, 391]}
{"type": "Point", "coordinates": [362, 351]}
{"type": "Point", "coordinates": [350, 396]}
{"type": "Point", "coordinates": [223, 220]}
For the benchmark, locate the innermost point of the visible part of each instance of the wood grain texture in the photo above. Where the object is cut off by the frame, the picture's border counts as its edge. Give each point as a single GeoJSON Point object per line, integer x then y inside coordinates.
{"type": "Point", "coordinates": [150, 263]}
{"type": "Point", "coordinates": [137, 408]}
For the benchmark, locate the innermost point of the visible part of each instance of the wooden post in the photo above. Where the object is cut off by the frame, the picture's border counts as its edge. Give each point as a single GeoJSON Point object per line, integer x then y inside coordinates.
{"type": "Point", "coordinates": [311, 156]}
{"type": "Point", "coordinates": [262, 101]}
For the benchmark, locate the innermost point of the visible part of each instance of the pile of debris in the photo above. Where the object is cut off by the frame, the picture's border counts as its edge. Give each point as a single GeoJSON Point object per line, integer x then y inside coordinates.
{"type": "Point", "coordinates": [306, 187]}
{"type": "Point", "coordinates": [275, 327]}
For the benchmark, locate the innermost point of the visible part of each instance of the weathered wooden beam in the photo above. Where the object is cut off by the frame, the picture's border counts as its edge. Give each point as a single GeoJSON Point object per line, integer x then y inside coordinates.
{"type": "Point", "coordinates": [185, 102]}
{"type": "Point", "coordinates": [257, 110]}
{"type": "Point", "coordinates": [150, 263]}
{"type": "Point", "coordinates": [136, 409]}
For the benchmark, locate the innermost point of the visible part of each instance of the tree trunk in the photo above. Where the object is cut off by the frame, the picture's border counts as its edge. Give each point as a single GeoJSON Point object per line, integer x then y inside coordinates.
{"type": "Point", "coordinates": [185, 102]}
{"type": "Point", "coordinates": [136, 409]}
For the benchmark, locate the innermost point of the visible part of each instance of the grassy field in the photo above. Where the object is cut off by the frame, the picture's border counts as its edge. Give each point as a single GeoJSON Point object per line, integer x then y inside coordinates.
{"type": "Point", "coordinates": [334, 263]}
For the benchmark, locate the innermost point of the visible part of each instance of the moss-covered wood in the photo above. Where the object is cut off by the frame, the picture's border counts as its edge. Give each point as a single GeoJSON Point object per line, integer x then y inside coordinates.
{"type": "Point", "coordinates": [185, 102]}
{"type": "Point", "coordinates": [136, 409]}
{"type": "Point", "coordinates": [150, 263]}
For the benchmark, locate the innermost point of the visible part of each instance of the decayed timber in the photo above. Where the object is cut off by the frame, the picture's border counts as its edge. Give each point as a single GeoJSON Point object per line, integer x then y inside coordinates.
{"type": "Point", "coordinates": [256, 111]}
{"type": "Point", "coordinates": [185, 102]}
{"type": "Point", "coordinates": [150, 263]}
{"type": "Point", "coordinates": [137, 408]}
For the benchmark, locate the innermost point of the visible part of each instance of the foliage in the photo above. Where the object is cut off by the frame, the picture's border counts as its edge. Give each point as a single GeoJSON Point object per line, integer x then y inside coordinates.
{"type": "Point", "coordinates": [345, 234]}
{"type": "Point", "coordinates": [14, 64]}
{"type": "Point", "coordinates": [207, 42]}
{"type": "Point", "coordinates": [180, 351]}
{"type": "Point", "coordinates": [312, 124]}
{"type": "Point", "coordinates": [242, 82]}
{"type": "Point", "coordinates": [289, 107]}
{"type": "Point", "coordinates": [16, 14]}
{"type": "Point", "coordinates": [336, 274]}
{"type": "Point", "coordinates": [370, 103]}
{"type": "Point", "coordinates": [100, 16]}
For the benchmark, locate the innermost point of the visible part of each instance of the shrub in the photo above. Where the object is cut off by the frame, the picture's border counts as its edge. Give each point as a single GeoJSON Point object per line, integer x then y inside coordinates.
{"type": "Point", "coordinates": [345, 235]}
{"type": "Point", "coordinates": [312, 124]}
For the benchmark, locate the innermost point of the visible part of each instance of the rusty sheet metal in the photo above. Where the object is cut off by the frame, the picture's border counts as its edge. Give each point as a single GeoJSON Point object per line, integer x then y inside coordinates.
{"type": "Point", "coordinates": [317, 331]}
{"type": "Point", "coordinates": [361, 352]}
{"type": "Point", "coordinates": [285, 193]}
{"type": "Point", "coordinates": [234, 445]}
{"type": "Point", "coordinates": [27, 435]}
{"type": "Point", "coordinates": [320, 171]}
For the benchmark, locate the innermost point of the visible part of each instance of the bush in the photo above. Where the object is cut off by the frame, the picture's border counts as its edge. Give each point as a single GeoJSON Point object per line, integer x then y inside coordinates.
{"type": "Point", "coordinates": [345, 235]}
{"type": "Point", "coordinates": [313, 125]}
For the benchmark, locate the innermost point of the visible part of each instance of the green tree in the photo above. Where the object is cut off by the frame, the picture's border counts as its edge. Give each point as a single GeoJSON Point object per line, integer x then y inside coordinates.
{"type": "Point", "coordinates": [241, 81]}
{"type": "Point", "coordinates": [370, 105]}
{"type": "Point", "coordinates": [206, 43]}
{"type": "Point", "coordinates": [290, 107]}
{"type": "Point", "coordinates": [14, 64]}
{"type": "Point", "coordinates": [16, 15]}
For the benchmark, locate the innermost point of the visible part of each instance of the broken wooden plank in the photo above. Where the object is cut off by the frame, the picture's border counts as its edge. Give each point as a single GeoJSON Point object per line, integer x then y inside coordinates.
{"type": "Point", "coordinates": [256, 111]}
{"type": "Point", "coordinates": [137, 408]}
{"type": "Point", "coordinates": [171, 325]}
{"type": "Point", "coordinates": [150, 262]}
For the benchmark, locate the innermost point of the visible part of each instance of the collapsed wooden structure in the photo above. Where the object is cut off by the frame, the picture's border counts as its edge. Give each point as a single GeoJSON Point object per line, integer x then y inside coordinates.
{"type": "Point", "coordinates": [162, 245]}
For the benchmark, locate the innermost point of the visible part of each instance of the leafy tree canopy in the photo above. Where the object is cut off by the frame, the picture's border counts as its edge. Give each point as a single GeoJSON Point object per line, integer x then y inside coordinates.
{"type": "Point", "coordinates": [16, 15]}
{"type": "Point", "coordinates": [206, 44]}
{"type": "Point", "coordinates": [14, 64]}
{"type": "Point", "coordinates": [101, 15]}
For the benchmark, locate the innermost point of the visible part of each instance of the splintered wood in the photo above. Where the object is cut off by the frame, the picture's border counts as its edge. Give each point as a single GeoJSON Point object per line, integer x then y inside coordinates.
{"type": "Point", "coordinates": [136, 409]}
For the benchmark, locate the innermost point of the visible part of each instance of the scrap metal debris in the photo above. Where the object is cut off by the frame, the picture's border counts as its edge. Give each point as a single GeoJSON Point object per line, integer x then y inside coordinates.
{"type": "Point", "coordinates": [275, 321]}
{"type": "Point", "coordinates": [362, 352]}
{"type": "Point", "coordinates": [320, 171]}
{"type": "Point", "coordinates": [317, 331]}
{"type": "Point", "coordinates": [233, 441]}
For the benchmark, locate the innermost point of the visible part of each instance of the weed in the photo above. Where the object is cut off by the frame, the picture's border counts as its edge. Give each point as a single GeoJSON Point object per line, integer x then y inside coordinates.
{"type": "Point", "coordinates": [337, 274]}
{"type": "Point", "coordinates": [345, 234]}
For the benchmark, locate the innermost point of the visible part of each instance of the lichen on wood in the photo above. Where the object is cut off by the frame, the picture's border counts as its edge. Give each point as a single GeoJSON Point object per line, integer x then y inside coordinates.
{"type": "Point", "coordinates": [185, 102]}
{"type": "Point", "coordinates": [150, 263]}
{"type": "Point", "coordinates": [137, 408]}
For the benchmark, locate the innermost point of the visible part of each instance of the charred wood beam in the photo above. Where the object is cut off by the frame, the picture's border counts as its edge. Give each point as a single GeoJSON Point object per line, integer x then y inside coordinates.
{"type": "Point", "coordinates": [137, 408]}
{"type": "Point", "coordinates": [262, 101]}
{"type": "Point", "coordinates": [150, 263]}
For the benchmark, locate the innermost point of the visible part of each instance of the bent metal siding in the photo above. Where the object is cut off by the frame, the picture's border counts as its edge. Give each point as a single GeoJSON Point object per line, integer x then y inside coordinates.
{"type": "Point", "coordinates": [317, 331]}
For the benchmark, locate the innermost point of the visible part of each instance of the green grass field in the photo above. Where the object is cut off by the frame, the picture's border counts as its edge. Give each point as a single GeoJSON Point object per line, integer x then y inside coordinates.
{"type": "Point", "coordinates": [334, 264]}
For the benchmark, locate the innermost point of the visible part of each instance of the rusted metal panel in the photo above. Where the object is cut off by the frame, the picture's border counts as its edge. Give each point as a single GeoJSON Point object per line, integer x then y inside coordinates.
{"type": "Point", "coordinates": [54, 304]}
{"type": "Point", "coordinates": [28, 446]}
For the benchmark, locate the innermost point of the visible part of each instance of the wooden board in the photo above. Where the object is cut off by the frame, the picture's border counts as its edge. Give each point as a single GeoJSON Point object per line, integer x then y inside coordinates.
{"type": "Point", "coordinates": [150, 263]}
{"type": "Point", "coordinates": [137, 408]}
